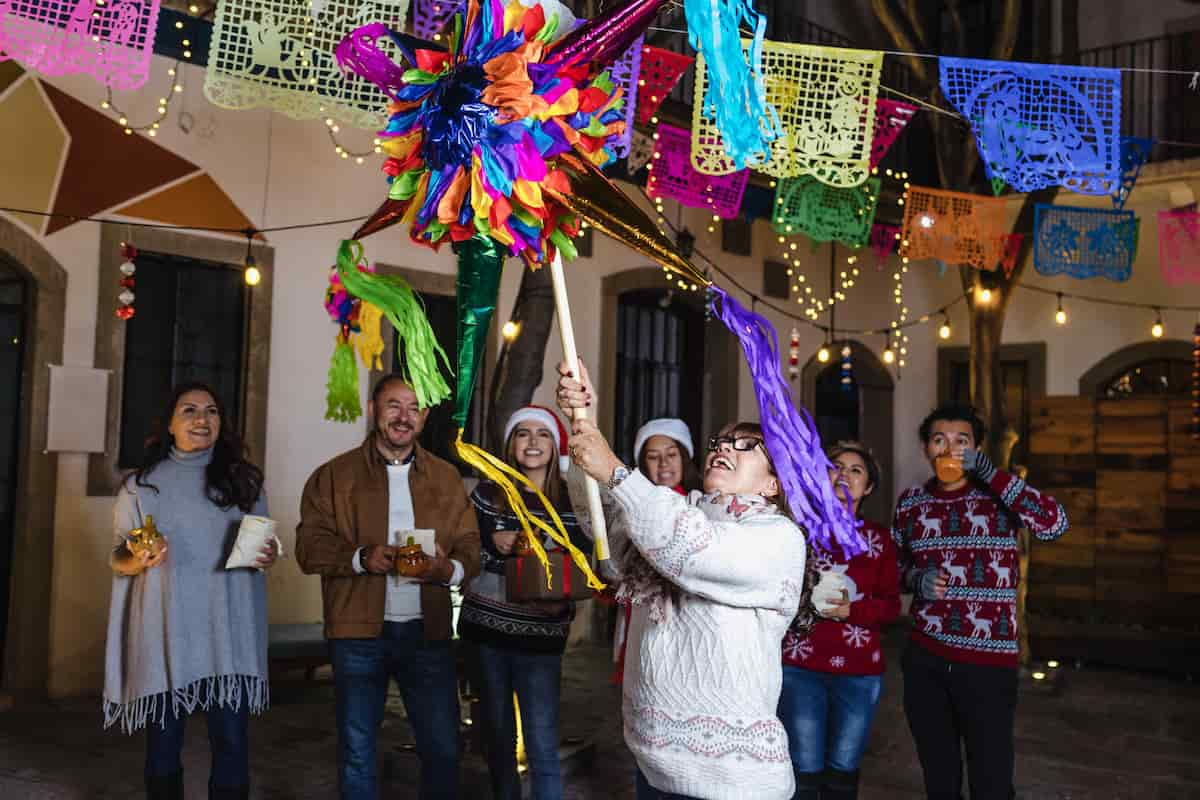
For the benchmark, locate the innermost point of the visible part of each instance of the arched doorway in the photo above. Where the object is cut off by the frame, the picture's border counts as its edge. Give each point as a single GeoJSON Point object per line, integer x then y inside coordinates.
{"type": "Point", "coordinates": [43, 285]}
{"type": "Point", "coordinates": [661, 357]}
{"type": "Point", "coordinates": [1158, 368]}
{"type": "Point", "coordinates": [14, 294]}
{"type": "Point", "coordinates": [860, 408]}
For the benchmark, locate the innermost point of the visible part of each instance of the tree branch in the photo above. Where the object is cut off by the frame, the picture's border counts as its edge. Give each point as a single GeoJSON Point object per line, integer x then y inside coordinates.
{"type": "Point", "coordinates": [1006, 35]}
{"type": "Point", "coordinates": [900, 37]}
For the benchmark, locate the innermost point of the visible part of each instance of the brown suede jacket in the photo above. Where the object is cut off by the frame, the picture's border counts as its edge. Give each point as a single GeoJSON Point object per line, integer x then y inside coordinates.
{"type": "Point", "coordinates": [345, 507]}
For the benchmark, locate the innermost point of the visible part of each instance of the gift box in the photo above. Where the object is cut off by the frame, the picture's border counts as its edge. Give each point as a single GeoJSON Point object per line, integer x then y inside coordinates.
{"type": "Point", "coordinates": [526, 578]}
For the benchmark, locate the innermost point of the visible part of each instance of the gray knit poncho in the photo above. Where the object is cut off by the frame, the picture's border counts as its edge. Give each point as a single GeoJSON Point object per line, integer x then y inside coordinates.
{"type": "Point", "coordinates": [188, 633]}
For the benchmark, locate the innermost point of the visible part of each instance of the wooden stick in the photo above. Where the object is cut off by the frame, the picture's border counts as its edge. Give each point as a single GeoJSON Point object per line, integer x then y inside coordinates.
{"type": "Point", "coordinates": [566, 331]}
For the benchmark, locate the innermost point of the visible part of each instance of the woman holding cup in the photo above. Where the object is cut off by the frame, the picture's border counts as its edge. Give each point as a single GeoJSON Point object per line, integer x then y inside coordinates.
{"type": "Point", "coordinates": [184, 632]}
{"type": "Point", "coordinates": [833, 666]}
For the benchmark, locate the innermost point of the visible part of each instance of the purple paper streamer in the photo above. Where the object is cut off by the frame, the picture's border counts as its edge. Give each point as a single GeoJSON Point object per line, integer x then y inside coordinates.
{"type": "Point", "coordinates": [790, 435]}
{"type": "Point", "coordinates": [625, 73]}
{"type": "Point", "coordinates": [358, 54]}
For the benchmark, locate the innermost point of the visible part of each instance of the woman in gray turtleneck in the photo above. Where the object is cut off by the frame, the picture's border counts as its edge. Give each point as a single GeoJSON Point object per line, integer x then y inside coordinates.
{"type": "Point", "coordinates": [184, 633]}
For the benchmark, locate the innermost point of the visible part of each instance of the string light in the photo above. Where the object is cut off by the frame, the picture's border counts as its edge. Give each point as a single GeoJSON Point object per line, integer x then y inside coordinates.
{"type": "Point", "coordinates": [251, 274]}
{"type": "Point", "coordinates": [984, 295]}
{"type": "Point", "coordinates": [823, 354]}
{"type": "Point", "coordinates": [359, 156]}
{"type": "Point", "coordinates": [510, 330]}
{"type": "Point", "coordinates": [163, 108]}
{"type": "Point", "coordinates": [1157, 329]}
{"type": "Point", "coordinates": [1060, 316]}
{"type": "Point", "coordinates": [944, 330]}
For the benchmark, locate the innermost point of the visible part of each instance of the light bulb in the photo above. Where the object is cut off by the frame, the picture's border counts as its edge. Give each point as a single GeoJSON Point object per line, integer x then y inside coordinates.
{"type": "Point", "coordinates": [1156, 330]}
{"type": "Point", "coordinates": [510, 330]}
{"type": "Point", "coordinates": [1060, 317]}
{"type": "Point", "coordinates": [985, 296]}
{"type": "Point", "coordinates": [252, 275]}
{"type": "Point", "coordinates": [823, 355]}
{"type": "Point", "coordinates": [888, 356]}
{"type": "Point", "coordinates": [944, 331]}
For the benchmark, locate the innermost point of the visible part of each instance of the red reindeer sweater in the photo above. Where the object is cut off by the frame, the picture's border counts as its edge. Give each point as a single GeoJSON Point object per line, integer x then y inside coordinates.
{"type": "Point", "coordinates": [852, 646]}
{"type": "Point", "coordinates": [972, 535]}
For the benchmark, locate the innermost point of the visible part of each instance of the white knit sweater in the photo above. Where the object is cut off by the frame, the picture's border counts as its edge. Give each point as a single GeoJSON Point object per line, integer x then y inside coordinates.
{"type": "Point", "coordinates": [702, 686]}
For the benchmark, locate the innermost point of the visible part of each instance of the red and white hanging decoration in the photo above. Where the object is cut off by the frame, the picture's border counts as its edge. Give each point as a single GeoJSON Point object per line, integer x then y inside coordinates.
{"type": "Point", "coordinates": [794, 355]}
{"type": "Point", "coordinates": [1196, 382]}
{"type": "Point", "coordinates": [125, 298]}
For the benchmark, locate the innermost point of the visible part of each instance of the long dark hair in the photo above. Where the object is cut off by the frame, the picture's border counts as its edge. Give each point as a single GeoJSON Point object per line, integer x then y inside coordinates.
{"type": "Point", "coordinates": [229, 480]}
{"type": "Point", "coordinates": [690, 475]}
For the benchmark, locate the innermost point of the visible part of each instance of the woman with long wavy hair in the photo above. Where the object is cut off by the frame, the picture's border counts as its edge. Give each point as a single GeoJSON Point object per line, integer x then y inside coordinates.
{"type": "Point", "coordinates": [186, 634]}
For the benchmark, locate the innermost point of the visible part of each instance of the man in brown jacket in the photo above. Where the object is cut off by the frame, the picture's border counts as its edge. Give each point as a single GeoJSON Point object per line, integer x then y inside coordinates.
{"type": "Point", "coordinates": [380, 626]}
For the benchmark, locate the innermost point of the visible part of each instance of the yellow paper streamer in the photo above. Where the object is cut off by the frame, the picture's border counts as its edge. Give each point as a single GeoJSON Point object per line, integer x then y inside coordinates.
{"type": "Point", "coordinates": [369, 341]}
{"type": "Point", "coordinates": [504, 476]}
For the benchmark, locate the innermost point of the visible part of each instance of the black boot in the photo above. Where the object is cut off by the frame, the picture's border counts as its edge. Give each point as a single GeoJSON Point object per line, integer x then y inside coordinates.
{"type": "Point", "coordinates": [165, 787]}
{"type": "Point", "coordinates": [808, 785]}
{"type": "Point", "coordinates": [840, 785]}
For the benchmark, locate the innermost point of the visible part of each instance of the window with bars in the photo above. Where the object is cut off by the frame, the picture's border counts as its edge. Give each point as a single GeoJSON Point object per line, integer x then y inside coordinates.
{"type": "Point", "coordinates": [190, 325]}
{"type": "Point", "coordinates": [737, 236]}
{"type": "Point", "coordinates": [660, 363]}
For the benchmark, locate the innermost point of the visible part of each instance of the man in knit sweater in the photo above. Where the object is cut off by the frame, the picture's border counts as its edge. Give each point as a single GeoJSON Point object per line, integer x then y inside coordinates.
{"type": "Point", "coordinates": [956, 539]}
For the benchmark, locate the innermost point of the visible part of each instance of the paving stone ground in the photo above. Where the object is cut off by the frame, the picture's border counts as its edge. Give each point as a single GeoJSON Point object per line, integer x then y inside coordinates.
{"type": "Point", "coordinates": [1094, 733]}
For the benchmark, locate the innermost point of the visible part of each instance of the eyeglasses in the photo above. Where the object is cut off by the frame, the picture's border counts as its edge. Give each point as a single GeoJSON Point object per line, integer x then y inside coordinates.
{"type": "Point", "coordinates": [741, 443]}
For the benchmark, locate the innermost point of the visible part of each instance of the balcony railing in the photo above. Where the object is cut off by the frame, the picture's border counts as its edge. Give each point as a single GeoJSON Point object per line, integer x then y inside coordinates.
{"type": "Point", "coordinates": [1163, 107]}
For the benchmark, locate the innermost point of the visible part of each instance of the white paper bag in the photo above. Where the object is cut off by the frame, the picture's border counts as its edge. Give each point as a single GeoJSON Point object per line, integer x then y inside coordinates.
{"type": "Point", "coordinates": [253, 535]}
{"type": "Point", "coordinates": [422, 536]}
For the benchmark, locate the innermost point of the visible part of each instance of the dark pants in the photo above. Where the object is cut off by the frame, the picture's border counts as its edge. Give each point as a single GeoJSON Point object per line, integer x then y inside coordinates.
{"type": "Point", "coordinates": [949, 703]}
{"type": "Point", "coordinates": [227, 739]}
{"type": "Point", "coordinates": [425, 673]}
{"type": "Point", "coordinates": [536, 678]}
{"type": "Point", "coordinates": [647, 792]}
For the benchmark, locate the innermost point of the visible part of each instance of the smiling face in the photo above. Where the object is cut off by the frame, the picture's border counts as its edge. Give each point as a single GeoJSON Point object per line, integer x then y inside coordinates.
{"type": "Point", "coordinates": [196, 421]}
{"type": "Point", "coordinates": [398, 418]}
{"type": "Point", "coordinates": [532, 446]}
{"type": "Point", "coordinates": [851, 479]}
{"type": "Point", "coordinates": [738, 464]}
{"type": "Point", "coordinates": [663, 461]}
{"type": "Point", "coordinates": [951, 436]}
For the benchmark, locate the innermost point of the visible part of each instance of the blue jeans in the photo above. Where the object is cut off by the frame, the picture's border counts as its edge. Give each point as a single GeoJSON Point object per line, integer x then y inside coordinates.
{"type": "Point", "coordinates": [647, 792]}
{"type": "Point", "coordinates": [827, 717]}
{"type": "Point", "coordinates": [425, 673]}
{"type": "Point", "coordinates": [536, 678]}
{"type": "Point", "coordinates": [227, 740]}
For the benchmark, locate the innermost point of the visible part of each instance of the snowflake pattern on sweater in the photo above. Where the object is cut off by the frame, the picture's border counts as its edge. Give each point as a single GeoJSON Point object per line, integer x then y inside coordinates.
{"type": "Point", "coordinates": [971, 534]}
{"type": "Point", "coordinates": [852, 646]}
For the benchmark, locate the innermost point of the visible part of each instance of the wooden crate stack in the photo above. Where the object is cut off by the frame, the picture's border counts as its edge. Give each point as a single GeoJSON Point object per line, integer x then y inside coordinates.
{"type": "Point", "coordinates": [1127, 574]}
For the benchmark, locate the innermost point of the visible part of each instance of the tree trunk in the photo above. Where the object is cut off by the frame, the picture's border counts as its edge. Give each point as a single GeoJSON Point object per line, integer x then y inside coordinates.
{"type": "Point", "coordinates": [519, 368]}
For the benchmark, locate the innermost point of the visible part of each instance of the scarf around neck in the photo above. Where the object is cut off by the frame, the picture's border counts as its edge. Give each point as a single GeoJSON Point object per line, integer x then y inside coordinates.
{"type": "Point", "coordinates": [643, 585]}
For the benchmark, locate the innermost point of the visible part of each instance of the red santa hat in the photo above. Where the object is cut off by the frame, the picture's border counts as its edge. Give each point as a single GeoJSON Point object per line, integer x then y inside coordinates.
{"type": "Point", "coordinates": [551, 421]}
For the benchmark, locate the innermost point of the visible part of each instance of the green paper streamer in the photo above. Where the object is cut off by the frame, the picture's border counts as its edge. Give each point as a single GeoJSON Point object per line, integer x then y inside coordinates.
{"type": "Point", "coordinates": [480, 261]}
{"type": "Point", "coordinates": [341, 399]}
{"type": "Point", "coordinates": [400, 304]}
{"type": "Point", "coordinates": [997, 182]}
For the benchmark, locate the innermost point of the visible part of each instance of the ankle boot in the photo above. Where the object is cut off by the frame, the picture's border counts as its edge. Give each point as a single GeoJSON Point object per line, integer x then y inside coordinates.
{"type": "Point", "coordinates": [808, 785]}
{"type": "Point", "coordinates": [165, 787]}
{"type": "Point", "coordinates": [838, 785]}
